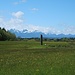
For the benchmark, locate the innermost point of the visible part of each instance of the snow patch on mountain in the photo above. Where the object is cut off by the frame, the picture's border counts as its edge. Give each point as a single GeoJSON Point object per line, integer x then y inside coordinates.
{"type": "Point", "coordinates": [29, 34]}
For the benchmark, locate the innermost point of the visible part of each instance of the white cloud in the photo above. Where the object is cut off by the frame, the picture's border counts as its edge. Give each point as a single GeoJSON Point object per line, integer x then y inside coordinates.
{"type": "Point", "coordinates": [34, 9]}
{"type": "Point", "coordinates": [18, 14]}
{"type": "Point", "coordinates": [42, 29]}
{"type": "Point", "coordinates": [19, 2]}
{"type": "Point", "coordinates": [69, 30]}
{"type": "Point", "coordinates": [23, 0]}
{"type": "Point", "coordinates": [1, 20]}
{"type": "Point", "coordinates": [17, 23]}
{"type": "Point", "coordinates": [51, 30]}
{"type": "Point", "coordinates": [16, 3]}
{"type": "Point", "coordinates": [13, 23]}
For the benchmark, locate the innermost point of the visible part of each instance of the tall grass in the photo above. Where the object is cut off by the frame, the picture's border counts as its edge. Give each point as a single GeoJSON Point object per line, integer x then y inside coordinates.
{"type": "Point", "coordinates": [30, 58]}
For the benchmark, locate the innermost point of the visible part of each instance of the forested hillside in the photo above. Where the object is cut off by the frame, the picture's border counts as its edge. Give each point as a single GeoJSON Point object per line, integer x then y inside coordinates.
{"type": "Point", "coordinates": [6, 35]}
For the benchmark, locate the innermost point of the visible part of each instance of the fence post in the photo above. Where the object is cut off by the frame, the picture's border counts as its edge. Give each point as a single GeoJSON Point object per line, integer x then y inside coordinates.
{"type": "Point", "coordinates": [41, 39]}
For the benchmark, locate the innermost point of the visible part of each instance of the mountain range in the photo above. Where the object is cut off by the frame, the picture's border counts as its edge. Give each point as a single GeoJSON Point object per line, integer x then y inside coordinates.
{"type": "Point", "coordinates": [36, 34]}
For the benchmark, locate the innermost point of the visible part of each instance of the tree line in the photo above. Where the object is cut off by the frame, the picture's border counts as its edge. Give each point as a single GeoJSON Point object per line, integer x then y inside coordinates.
{"type": "Point", "coordinates": [65, 39]}
{"type": "Point", "coordinates": [6, 35]}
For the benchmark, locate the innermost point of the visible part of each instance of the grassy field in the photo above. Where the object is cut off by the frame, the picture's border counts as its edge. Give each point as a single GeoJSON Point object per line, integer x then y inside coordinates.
{"type": "Point", "coordinates": [30, 58]}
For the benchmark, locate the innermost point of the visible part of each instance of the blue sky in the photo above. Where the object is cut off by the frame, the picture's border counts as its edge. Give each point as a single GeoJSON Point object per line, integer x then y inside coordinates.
{"type": "Point", "coordinates": [48, 16]}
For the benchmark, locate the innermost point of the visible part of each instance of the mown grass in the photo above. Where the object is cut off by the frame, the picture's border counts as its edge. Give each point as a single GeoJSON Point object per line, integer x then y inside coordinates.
{"type": "Point", "coordinates": [30, 58]}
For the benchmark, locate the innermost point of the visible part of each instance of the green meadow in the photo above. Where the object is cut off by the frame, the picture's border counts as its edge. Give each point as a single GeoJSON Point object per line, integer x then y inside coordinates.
{"type": "Point", "coordinates": [31, 58]}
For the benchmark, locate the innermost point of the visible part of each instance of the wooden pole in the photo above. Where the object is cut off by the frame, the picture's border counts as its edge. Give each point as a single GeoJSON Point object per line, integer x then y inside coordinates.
{"type": "Point", "coordinates": [41, 39]}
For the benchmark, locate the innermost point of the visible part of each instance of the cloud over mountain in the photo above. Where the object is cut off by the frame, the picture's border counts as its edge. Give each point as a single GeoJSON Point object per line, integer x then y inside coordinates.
{"type": "Point", "coordinates": [36, 34]}
{"type": "Point", "coordinates": [18, 23]}
{"type": "Point", "coordinates": [18, 14]}
{"type": "Point", "coordinates": [49, 17]}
